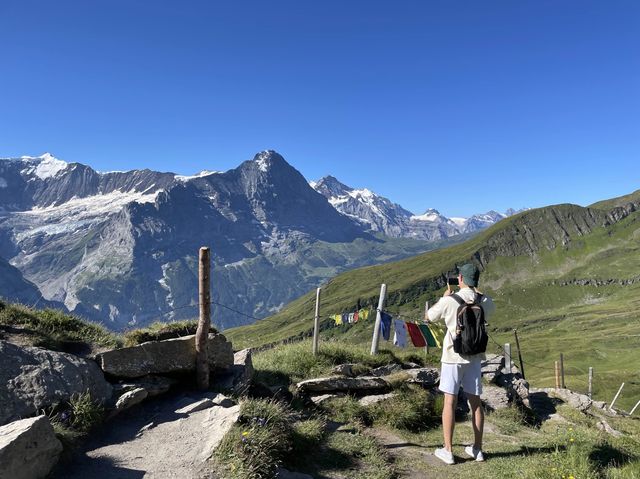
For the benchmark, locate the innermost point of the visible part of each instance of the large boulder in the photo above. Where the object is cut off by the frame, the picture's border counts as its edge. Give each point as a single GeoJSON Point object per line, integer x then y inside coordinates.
{"type": "Point", "coordinates": [161, 357]}
{"type": "Point", "coordinates": [495, 398]}
{"type": "Point", "coordinates": [578, 401]}
{"type": "Point", "coordinates": [32, 379]}
{"type": "Point", "coordinates": [28, 449]}
{"type": "Point", "coordinates": [341, 383]}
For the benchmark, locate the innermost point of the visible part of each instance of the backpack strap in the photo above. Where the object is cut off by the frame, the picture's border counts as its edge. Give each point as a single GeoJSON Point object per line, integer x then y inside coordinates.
{"type": "Point", "coordinates": [458, 299]}
{"type": "Point", "coordinates": [477, 299]}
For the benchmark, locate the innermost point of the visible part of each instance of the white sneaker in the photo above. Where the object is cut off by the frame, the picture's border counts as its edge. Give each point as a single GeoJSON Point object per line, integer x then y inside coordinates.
{"type": "Point", "coordinates": [475, 453]}
{"type": "Point", "coordinates": [444, 455]}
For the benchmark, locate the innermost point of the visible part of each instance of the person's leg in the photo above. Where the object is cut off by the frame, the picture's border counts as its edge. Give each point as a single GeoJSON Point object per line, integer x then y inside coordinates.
{"type": "Point", "coordinates": [449, 419]}
{"type": "Point", "coordinates": [477, 419]}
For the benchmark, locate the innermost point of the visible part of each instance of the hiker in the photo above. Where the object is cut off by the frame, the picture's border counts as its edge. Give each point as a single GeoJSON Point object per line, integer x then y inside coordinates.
{"type": "Point", "coordinates": [462, 370]}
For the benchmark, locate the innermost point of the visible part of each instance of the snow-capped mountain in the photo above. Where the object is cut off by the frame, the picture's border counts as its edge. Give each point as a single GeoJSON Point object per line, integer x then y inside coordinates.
{"type": "Point", "coordinates": [382, 215]}
{"type": "Point", "coordinates": [121, 247]}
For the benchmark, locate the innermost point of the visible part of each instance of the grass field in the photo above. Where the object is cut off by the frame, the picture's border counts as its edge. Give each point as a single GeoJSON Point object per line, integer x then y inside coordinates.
{"type": "Point", "coordinates": [593, 324]}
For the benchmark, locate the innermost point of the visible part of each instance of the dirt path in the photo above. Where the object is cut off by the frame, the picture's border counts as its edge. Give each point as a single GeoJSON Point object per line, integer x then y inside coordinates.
{"type": "Point", "coordinates": [406, 453]}
{"type": "Point", "coordinates": [152, 441]}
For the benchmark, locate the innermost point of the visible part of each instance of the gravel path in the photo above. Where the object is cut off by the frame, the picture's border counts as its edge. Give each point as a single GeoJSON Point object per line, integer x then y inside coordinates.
{"type": "Point", "coordinates": [150, 441]}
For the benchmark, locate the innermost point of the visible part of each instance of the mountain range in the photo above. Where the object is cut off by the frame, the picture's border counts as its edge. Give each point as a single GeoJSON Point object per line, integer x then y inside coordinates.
{"type": "Point", "coordinates": [121, 247]}
{"type": "Point", "coordinates": [377, 213]}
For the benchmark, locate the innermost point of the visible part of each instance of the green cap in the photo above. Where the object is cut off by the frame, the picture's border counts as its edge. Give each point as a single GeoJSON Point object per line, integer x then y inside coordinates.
{"type": "Point", "coordinates": [470, 274]}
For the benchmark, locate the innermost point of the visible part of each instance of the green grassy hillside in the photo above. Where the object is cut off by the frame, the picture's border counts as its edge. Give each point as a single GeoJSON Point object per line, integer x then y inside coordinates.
{"type": "Point", "coordinates": [564, 276]}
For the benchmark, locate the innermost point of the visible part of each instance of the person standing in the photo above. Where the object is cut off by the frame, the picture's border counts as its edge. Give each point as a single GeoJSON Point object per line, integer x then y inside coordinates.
{"type": "Point", "coordinates": [460, 370]}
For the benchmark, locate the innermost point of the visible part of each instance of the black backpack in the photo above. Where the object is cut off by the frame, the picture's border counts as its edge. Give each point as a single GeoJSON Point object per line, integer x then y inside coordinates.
{"type": "Point", "coordinates": [471, 334]}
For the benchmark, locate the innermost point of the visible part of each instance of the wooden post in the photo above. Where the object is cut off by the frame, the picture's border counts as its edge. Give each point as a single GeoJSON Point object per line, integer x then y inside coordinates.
{"type": "Point", "coordinates": [515, 332]}
{"type": "Point", "coordinates": [634, 408]}
{"type": "Point", "coordinates": [507, 358]}
{"type": "Point", "coordinates": [590, 382]}
{"type": "Point", "coordinates": [562, 371]}
{"type": "Point", "coordinates": [316, 322]}
{"type": "Point", "coordinates": [426, 318]}
{"type": "Point", "coordinates": [557, 364]}
{"type": "Point", "coordinates": [376, 328]}
{"type": "Point", "coordinates": [616, 398]}
{"type": "Point", "coordinates": [204, 322]}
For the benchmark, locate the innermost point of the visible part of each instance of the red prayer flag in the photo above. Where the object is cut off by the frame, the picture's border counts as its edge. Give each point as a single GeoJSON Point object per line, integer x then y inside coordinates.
{"type": "Point", "coordinates": [416, 335]}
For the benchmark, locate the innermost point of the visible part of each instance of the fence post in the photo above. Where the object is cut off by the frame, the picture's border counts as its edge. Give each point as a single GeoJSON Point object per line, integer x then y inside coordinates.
{"type": "Point", "coordinates": [376, 328]}
{"type": "Point", "coordinates": [316, 322]}
{"type": "Point", "coordinates": [562, 370]}
{"type": "Point", "coordinates": [426, 318]}
{"type": "Point", "coordinates": [616, 398]}
{"type": "Point", "coordinates": [590, 382]}
{"type": "Point", "coordinates": [634, 408]}
{"type": "Point", "coordinates": [557, 367]}
{"type": "Point", "coordinates": [204, 321]}
{"type": "Point", "coordinates": [515, 332]}
{"type": "Point", "coordinates": [507, 358]}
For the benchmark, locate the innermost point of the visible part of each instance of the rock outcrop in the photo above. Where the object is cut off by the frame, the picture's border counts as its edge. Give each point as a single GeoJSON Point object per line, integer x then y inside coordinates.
{"type": "Point", "coordinates": [162, 357]}
{"type": "Point", "coordinates": [341, 383]}
{"type": "Point", "coordinates": [33, 378]}
{"type": "Point", "coordinates": [28, 449]}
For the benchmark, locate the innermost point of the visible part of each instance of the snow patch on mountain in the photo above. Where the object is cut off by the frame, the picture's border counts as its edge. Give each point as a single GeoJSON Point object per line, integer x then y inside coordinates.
{"type": "Point", "coordinates": [263, 160]}
{"type": "Point", "coordinates": [184, 179]}
{"type": "Point", "coordinates": [45, 166]}
{"type": "Point", "coordinates": [3, 183]}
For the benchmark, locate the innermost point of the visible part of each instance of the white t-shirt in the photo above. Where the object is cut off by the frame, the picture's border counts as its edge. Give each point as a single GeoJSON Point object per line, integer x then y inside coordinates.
{"type": "Point", "coordinates": [446, 308]}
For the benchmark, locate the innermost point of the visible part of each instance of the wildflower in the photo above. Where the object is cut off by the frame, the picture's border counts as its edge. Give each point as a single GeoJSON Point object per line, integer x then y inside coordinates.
{"type": "Point", "coordinates": [571, 477]}
{"type": "Point", "coordinates": [571, 439]}
{"type": "Point", "coordinates": [570, 429]}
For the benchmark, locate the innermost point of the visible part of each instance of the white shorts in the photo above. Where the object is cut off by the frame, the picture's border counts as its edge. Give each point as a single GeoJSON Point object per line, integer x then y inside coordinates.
{"type": "Point", "coordinates": [469, 376]}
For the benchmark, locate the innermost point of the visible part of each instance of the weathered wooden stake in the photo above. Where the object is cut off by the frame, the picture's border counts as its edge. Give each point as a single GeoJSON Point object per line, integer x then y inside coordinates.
{"type": "Point", "coordinates": [515, 332]}
{"type": "Point", "coordinates": [507, 358]}
{"type": "Point", "coordinates": [562, 370]}
{"type": "Point", "coordinates": [590, 382]}
{"type": "Point", "coordinates": [376, 328]}
{"type": "Point", "coordinates": [204, 322]}
{"type": "Point", "coordinates": [616, 398]}
{"type": "Point", "coordinates": [316, 323]}
{"type": "Point", "coordinates": [634, 408]}
{"type": "Point", "coordinates": [557, 364]}
{"type": "Point", "coordinates": [426, 318]}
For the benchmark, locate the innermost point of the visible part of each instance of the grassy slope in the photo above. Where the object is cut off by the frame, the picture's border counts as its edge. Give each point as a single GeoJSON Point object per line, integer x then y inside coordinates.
{"type": "Point", "coordinates": [592, 326]}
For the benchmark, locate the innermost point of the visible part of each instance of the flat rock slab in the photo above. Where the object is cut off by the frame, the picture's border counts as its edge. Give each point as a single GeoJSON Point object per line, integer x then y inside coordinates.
{"type": "Point", "coordinates": [161, 357]}
{"type": "Point", "coordinates": [33, 378]}
{"type": "Point", "coordinates": [341, 383]}
{"type": "Point", "coordinates": [386, 370]}
{"type": "Point", "coordinates": [196, 406]}
{"type": "Point", "coordinates": [153, 442]}
{"type": "Point", "coordinates": [28, 449]}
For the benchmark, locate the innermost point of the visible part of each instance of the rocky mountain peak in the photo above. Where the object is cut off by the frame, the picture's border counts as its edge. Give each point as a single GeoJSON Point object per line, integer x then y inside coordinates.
{"type": "Point", "coordinates": [329, 186]}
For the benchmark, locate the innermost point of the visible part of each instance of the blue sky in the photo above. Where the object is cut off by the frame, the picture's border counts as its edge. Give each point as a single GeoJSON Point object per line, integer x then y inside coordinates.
{"type": "Point", "coordinates": [463, 106]}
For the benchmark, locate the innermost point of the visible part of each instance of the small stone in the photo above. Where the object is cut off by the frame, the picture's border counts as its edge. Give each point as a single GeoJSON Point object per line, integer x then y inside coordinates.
{"type": "Point", "coordinates": [323, 397]}
{"type": "Point", "coordinates": [130, 398]}
{"type": "Point", "coordinates": [343, 370]}
{"type": "Point", "coordinates": [282, 473]}
{"type": "Point", "coordinates": [375, 399]}
{"type": "Point", "coordinates": [427, 377]}
{"type": "Point", "coordinates": [223, 401]}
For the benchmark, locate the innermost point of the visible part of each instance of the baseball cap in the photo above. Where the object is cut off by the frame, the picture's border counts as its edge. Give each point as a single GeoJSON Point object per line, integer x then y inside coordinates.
{"type": "Point", "coordinates": [470, 274]}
